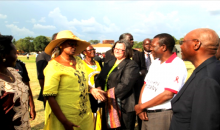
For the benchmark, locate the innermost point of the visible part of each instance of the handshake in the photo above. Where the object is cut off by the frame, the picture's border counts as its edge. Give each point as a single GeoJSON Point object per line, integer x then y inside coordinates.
{"type": "Point", "coordinates": [98, 94]}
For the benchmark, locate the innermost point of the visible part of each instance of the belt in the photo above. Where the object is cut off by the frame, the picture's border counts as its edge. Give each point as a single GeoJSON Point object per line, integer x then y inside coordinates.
{"type": "Point", "coordinates": [157, 110]}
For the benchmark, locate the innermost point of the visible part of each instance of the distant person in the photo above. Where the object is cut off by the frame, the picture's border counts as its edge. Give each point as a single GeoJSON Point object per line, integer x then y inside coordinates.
{"type": "Point", "coordinates": [164, 79]}
{"type": "Point", "coordinates": [28, 56]}
{"type": "Point", "coordinates": [21, 69]}
{"type": "Point", "coordinates": [197, 105]}
{"type": "Point", "coordinates": [41, 63]}
{"type": "Point", "coordinates": [36, 54]}
{"type": "Point", "coordinates": [14, 112]}
{"type": "Point", "coordinates": [147, 53]}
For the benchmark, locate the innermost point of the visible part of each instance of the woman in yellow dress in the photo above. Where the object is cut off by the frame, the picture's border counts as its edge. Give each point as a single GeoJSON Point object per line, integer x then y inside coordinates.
{"type": "Point", "coordinates": [66, 86]}
{"type": "Point", "coordinates": [93, 69]}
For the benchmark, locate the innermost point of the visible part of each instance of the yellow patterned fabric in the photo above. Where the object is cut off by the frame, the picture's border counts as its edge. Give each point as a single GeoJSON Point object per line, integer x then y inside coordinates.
{"type": "Point", "coordinates": [70, 88]}
{"type": "Point", "coordinates": [92, 70]}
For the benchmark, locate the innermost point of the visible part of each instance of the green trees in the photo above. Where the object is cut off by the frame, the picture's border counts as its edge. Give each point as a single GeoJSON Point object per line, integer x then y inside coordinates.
{"type": "Point", "coordinates": [30, 44]}
{"type": "Point", "coordinates": [40, 43]}
{"type": "Point", "coordinates": [94, 41]}
{"type": "Point", "coordinates": [138, 44]}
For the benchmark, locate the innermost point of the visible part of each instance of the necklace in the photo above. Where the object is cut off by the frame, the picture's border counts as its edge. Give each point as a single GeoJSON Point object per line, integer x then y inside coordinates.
{"type": "Point", "coordinates": [88, 62]}
{"type": "Point", "coordinates": [71, 61]}
{"type": "Point", "coordinates": [7, 76]}
{"type": "Point", "coordinates": [93, 66]}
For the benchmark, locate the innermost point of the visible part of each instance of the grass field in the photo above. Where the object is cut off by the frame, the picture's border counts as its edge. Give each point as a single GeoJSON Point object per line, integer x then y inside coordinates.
{"type": "Point", "coordinates": [38, 123]}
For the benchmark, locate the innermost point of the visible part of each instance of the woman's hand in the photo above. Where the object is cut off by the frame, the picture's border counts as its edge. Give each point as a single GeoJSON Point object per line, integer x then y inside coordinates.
{"type": "Point", "coordinates": [98, 94]}
{"type": "Point", "coordinates": [69, 125]}
{"type": "Point", "coordinates": [32, 113]}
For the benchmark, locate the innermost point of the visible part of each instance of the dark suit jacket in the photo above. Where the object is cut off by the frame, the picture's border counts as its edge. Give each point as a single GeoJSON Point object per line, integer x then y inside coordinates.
{"type": "Point", "coordinates": [97, 58]}
{"type": "Point", "coordinates": [197, 105]}
{"type": "Point", "coordinates": [139, 58]}
{"type": "Point", "coordinates": [123, 78]}
{"type": "Point", "coordinates": [108, 56]}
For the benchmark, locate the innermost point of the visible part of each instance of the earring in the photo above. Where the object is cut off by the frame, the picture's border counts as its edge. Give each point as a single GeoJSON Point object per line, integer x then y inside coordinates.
{"type": "Point", "coordinates": [61, 47]}
{"type": "Point", "coordinates": [4, 60]}
{"type": "Point", "coordinates": [85, 54]}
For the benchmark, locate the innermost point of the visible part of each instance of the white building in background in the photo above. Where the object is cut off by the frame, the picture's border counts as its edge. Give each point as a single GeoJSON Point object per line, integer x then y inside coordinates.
{"type": "Point", "coordinates": [102, 48]}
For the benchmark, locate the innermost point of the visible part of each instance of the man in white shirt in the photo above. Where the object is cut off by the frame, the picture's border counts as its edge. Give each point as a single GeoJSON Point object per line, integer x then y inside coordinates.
{"type": "Point", "coordinates": [165, 77]}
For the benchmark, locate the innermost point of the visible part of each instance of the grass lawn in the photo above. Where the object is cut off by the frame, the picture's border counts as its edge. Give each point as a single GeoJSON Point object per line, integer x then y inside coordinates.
{"type": "Point", "coordinates": [38, 123]}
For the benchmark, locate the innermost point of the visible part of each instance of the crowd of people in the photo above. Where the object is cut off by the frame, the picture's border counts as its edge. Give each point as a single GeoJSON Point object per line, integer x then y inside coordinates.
{"type": "Point", "coordinates": [81, 91]}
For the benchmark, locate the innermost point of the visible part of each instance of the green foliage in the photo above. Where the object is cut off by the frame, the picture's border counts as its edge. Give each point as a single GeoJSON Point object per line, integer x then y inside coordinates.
{"type": "Point", "coordinates": [25, 44]}
{"type": "Point", "coordinates": [138, 44]}
{"type": "Point", "coordinates": [94, 41]}
{"type": "Point", "coordinates": [40, 43]}
{"type": "Point", "coordinates": [14, 41]}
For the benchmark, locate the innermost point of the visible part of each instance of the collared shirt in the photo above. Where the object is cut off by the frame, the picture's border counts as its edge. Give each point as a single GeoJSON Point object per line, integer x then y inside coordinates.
{"type": "Point", "coordinates": [170, 75]}
{"type": "Point", "coordinates": [147, 63]}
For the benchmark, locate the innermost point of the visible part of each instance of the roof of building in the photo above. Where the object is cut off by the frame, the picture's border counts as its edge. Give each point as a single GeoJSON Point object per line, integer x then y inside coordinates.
{"type": "Point", "coordinates": [102, 45]}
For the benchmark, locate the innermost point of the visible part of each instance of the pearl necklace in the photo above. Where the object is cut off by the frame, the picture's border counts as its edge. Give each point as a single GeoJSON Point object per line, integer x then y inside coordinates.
{"type": "Point", "coordinates": [71, 61]}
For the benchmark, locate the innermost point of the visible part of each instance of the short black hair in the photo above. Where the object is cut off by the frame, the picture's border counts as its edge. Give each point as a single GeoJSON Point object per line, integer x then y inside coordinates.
{"type": "Point", "coordinates": [123, 36]}
{"type": "Point", "coordinates": [5, 45]}
{"type": "Point", "coordinates": [167, 39]}
{"type": "Point", "coordinates": [128, 49]}
{"type": "Point", "coordinates": [54, 35]}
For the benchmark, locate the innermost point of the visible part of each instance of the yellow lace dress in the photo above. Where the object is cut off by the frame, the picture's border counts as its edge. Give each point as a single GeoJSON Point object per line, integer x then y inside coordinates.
{"type": "Point", "coordinates": [70, 88]}
{"type": "Point", "coordinates": [92, 71]}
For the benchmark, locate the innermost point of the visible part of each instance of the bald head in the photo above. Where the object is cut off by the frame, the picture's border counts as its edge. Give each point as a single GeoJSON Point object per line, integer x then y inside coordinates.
{"type": "Point", "coordinates": [209, 39]}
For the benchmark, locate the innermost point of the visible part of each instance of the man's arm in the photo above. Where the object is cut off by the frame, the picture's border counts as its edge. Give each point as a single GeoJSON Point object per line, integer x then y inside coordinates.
{"type": "Point", "coordinates": [31, 102]}
{"type": "Point", "coordinates": [143, 114]}
{"type": "Point", "coordinates": [159, 99]}
{"type": "Point", "coordinates": [26, 79]}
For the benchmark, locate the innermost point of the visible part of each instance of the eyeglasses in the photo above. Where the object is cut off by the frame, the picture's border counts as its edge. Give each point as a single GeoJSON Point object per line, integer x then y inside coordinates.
{"type": "Point", "coordinates": [91, 50]}
{"type": "Point", "coordinates": [119, 50]}
{"type": "Point", "coordinates": [181, 42]}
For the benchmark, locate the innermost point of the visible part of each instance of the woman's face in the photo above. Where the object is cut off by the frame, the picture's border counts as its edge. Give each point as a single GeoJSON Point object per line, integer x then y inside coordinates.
{"type": "Point", "coordinates": [119, 51]}
{"type": "Point", "coordinates": [69, 47]}
{"type": "Point", "coordinates": [90, 52]}
{"type": "Point", "coordinates": [11, 57]}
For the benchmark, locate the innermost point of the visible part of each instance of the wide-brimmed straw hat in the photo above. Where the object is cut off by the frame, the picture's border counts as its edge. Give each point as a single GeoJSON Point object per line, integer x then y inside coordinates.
{"type": "Point", "coordinates": [63, 36]}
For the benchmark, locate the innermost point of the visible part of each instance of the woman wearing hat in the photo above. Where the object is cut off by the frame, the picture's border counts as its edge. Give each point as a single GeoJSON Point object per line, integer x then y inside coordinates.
{"type": "Point", "coordinates": [66, 86]}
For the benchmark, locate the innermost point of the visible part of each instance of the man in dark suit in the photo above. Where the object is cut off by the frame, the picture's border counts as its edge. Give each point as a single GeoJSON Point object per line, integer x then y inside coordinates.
{"type": "Point", "coordinates": [197, 105]}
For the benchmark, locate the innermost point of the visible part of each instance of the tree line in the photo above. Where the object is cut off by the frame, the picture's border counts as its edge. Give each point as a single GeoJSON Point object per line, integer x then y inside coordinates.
{"type": "Point", "coordinates": [140, 44]}
{"type": "Point", "coordinates": [31, 44]}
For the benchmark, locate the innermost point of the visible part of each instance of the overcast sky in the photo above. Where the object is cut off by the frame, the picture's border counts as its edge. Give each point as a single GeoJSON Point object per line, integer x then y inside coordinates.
{"type": "Point", "coordinates": [99, 20]}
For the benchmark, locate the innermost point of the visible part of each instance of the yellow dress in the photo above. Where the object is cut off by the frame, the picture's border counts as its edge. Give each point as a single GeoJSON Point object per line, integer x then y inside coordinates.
{"type": "Point", "coordinates": [70, 88]}
{"type": "Point", "coordinates": [92, 71]}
